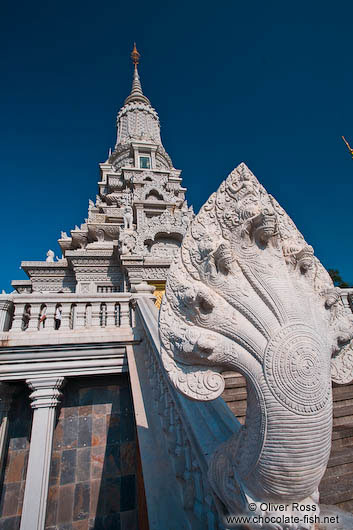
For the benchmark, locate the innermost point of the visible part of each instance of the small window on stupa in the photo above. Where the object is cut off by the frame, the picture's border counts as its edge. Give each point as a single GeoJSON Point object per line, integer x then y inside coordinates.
{"type": "Point", "coordinates": [145, 162]}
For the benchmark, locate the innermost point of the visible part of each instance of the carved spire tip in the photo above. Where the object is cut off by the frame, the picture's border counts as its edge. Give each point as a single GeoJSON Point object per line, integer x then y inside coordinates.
{"type": "Point", "coordinates": [135, 56]}
{"type": "Point", "coordinates": [136, 90]}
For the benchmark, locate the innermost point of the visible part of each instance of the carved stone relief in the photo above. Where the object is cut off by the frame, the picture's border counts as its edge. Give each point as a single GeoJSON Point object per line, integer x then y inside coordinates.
{"type": "Point", "coordinates": [246, 293]}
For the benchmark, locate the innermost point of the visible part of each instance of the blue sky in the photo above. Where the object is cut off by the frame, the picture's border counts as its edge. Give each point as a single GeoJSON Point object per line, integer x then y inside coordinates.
{"type": "Point", "coordinates": [268, 83]}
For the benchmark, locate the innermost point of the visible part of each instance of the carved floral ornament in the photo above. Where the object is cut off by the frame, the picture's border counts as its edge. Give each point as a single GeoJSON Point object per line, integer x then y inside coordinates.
{"type": "Point", "coordinates": [246, 293]}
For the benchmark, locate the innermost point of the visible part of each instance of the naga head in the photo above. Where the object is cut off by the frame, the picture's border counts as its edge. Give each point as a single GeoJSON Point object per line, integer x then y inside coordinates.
{"type": "Point", "coordinates": [305, 258]}
{"type": "Point", "coordinates": [264, 226]}
{"type": "Point", "coordinates": [243, 277]}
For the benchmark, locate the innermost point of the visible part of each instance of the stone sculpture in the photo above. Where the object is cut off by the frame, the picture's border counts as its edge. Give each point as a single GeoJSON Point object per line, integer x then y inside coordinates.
{"type": "Point", "coordinates": [246, 293]}
{"type": "Point", "coordinates": [128, 218]}
{"type": "Point", "coordinates": [50, 256]}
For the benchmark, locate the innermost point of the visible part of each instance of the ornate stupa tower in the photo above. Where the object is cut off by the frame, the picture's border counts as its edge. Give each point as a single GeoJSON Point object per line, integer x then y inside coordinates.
{"type": "Point", "coordinates": [135, 224]}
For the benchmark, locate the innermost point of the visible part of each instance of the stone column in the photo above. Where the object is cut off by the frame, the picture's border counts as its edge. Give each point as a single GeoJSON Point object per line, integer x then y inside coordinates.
{"type": "Point", "coordinates": [45, 397]}
{"type": "Point", "coordinates": [6, 394]}
{"type": "Point", "coordinates": [5, 313]}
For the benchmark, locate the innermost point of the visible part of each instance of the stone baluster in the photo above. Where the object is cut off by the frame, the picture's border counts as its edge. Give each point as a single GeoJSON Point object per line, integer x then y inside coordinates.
{"type": "Point", "coordinates": [65, 316]}
{"type": "Point", "coordinates": [188, 490]}
{"type": "Point", "coordinates": [88, 315]}
{"type": "Point", "coordinates": [124, 313]}
{"type": "Point", "coordinates": [45, 397]}
{"type": "Point", "coordinates": [153, 378]}
{"type": "Point", "coordinates": [103, 315]}
{"type": "Point", "coordinates": [73, 314]}
{"type": "Point", "coordinates": [6, 395]}
{"type": "Point", "coordinates": [179, 449]}
{"type": "Point", "coordinates": [5, 314]}
{"type": "Point", "coordinates": [110, 313]}
{"type": "Point", "coordinates": [33, 324]}
{"type": "Point", "coordinates": [164, 404]}
{"type": "Point", "coordinates": [80, 315]}
{"type": "Point", "coordinates": [50, 313]}
{"type": "Point", "coordinates": [96, 310]}
{"type": "Point", "coordinates": [161, 386]}
{"type": "Point", "coordinates": [18, 317]}
{"type": "Point", "coordinates": [117, 314]}
{"type": "Point", "coordinates": [155, 383]}
{"type": "Point", "coordinates": [161, 400]}
{"type": "Point", "coordinates": [172, 436]}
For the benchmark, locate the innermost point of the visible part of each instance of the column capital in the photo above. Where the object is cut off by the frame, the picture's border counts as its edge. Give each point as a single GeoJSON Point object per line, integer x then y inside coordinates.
{"type": "Point", "coordinates": [46, 391]}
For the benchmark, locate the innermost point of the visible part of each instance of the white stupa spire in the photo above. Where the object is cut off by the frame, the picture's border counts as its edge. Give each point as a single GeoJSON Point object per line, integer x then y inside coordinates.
{"type": "Point", "coordinates": [136, 89]}
{"type": "Point", "coordinates": [137, 120]}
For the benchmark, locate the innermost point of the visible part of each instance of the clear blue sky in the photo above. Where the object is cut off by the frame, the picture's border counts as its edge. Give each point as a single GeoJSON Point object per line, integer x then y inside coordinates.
{"type": "Point", "coordinates": [269, 83]}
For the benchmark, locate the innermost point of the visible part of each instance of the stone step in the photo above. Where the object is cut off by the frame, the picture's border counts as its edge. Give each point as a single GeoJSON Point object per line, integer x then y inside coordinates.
{"type": "Point", "coordinates": [344, 421]}
{"type": "Point", "coordinates": [234, 394]}
{"type": "Point", "coordinates": [336, 489]}
{"type": "Point", "coordinates": [238, 408]}
{"type": "Point", "coordinates": [340, 443]}
{"type": "Point", "coordinates": [342, 432]}
{"type": "Point", "coordinates": [340, 456]}
{"type": "Point", "coordinates": [347, 506]}
{"type": "Point", "coordinates": [234, 380]}
{"type": "Point", "coordinates": [342, 392]}
{"type": "Point", "coordinates": [339, 471]}
{"type": "Point", "coordinates": [343, 410]}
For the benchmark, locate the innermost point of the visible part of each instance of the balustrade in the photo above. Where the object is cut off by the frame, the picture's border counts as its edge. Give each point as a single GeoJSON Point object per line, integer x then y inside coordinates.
{"type": "Point", "coordinates": [63, 312]}
{"type": "Point", "coordinates": [191, 430]}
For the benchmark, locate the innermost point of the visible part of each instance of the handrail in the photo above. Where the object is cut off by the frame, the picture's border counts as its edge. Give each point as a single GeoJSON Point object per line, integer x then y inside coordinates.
{"type": "Point", "coordinates": [193, 430]}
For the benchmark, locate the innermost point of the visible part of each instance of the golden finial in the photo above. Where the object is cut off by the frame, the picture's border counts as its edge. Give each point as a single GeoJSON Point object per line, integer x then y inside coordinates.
{"type": "Point", "coordinates": [347, 144]}
{"type": "Point", "coordinates": [135, 56]}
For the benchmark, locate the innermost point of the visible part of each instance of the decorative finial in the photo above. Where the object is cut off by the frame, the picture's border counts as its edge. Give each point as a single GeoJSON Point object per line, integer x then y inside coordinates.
{"type": "Point", "coordinates": [135, 56]}
{"type": "Point", "coordinates": [347, 144]}
{"type": "Point", "coordinates": [136, 89]}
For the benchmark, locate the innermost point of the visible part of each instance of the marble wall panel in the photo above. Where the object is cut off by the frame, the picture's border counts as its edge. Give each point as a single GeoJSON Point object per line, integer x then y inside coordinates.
{"type": "Point", "coordinates": [13, 478]}
{"type": "Point", "coordinates": [94, 462]}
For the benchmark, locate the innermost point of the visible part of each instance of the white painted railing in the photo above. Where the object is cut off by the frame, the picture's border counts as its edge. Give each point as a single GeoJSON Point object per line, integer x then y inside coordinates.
{"type": "Point", "coordinates": [38, 312]}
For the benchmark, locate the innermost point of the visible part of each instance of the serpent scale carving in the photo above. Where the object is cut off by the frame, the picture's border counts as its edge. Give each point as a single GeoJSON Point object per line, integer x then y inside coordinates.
{"type": "Point", "coordinates": [246, 293]}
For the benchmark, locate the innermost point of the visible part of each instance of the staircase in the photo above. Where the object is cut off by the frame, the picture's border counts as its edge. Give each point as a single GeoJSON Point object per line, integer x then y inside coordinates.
{"type": "Point", "coordinates": [337, 484]}
{"type": "Point", "coordinates": [234, 394]}
{"type": "Point", "coordinates": [336, 487]}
